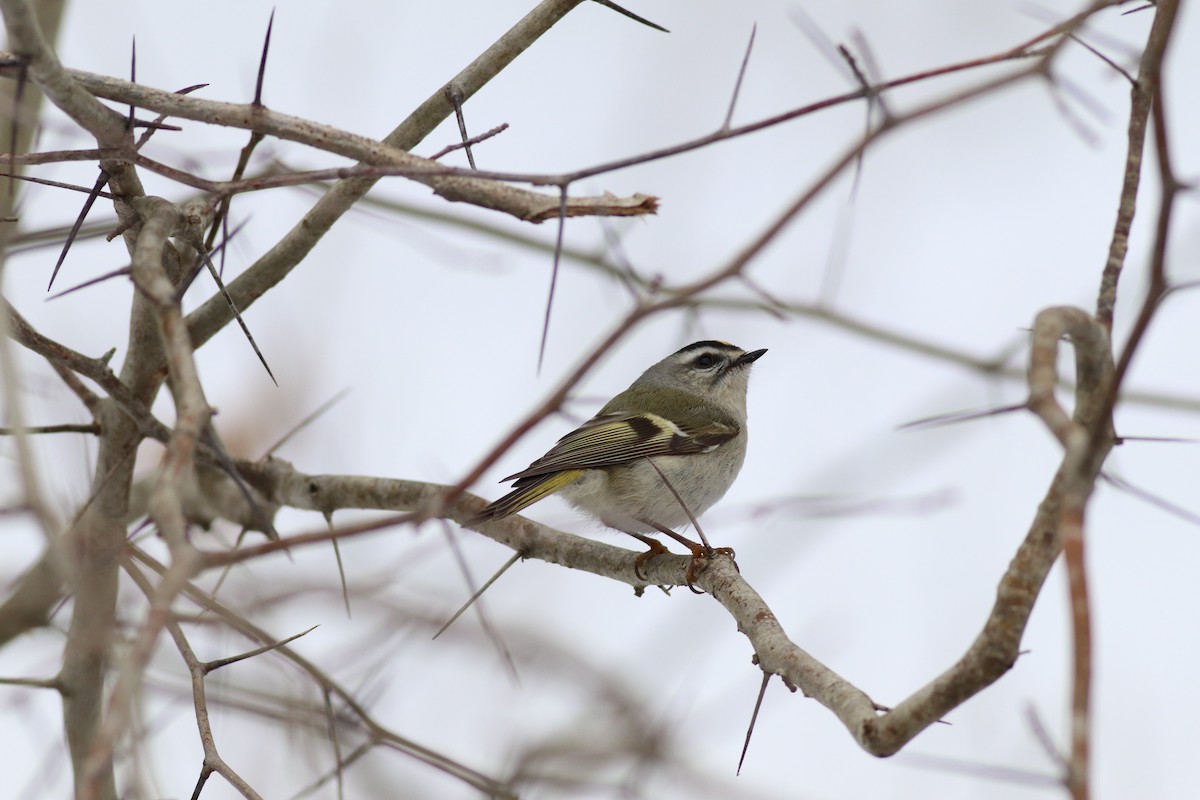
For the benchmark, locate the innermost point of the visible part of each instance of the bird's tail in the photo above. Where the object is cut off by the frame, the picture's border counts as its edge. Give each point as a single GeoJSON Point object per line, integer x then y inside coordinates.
{"type": "Point", "coordinates": [526, 492]}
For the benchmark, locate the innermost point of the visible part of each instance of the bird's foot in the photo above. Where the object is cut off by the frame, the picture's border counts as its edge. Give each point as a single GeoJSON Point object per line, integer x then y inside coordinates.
{"type": "Point", "coordinates": [656, 549]}
{"type": "Point", "coordinates": [701, 553]}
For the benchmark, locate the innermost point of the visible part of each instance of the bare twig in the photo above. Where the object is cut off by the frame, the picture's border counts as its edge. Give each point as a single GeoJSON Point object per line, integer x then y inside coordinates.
{"type": "Point", "coordinates": [737, 86]}
{"type": "Point", "coordinates": [212, 758]}
{"type": "Point", "coordinates": [467, 143]}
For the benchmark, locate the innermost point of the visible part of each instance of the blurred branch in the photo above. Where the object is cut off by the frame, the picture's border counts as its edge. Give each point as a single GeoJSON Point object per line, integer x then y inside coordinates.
{"type": "Point", "coordinates": [1001, 365]}
{"type": "Point", "coordinates": [98, 533]}
{"type": "Point", "coordinates": [37, 592]}
{"type": "Point", "coordinates": [38, 589]}
{"type": "Point", "coordinates": [391, 158]}
{"type": "Point", "coordinates": [60, 87]}
{"type": "Point", "coordinates": [373, 729]}
{"type": "Point", "coordinates": [273, 266]}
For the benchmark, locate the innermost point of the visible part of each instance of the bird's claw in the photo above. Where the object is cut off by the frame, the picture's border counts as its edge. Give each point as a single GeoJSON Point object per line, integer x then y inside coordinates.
{"type": "Point", "coordinates": [656, 549]}
{"type": "Point", "coordinates": [700, 558]}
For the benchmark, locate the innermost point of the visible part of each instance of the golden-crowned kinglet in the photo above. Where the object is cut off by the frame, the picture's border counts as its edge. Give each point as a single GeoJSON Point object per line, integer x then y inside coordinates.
{"type": "Point", "coordinates": [657, 455]}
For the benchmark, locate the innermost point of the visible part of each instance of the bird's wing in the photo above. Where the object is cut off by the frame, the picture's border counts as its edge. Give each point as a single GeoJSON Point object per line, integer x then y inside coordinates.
{"type": "Point", "coordinates": [618, 438]}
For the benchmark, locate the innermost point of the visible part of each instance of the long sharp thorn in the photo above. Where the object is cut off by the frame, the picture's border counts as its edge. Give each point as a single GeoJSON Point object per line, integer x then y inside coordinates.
{"type": "Point", "coordinates": [262, 63]}
{"type": "Point", "coordinates": [132, 77]}
{"type": "Point", "coordinates": [627, 13]}
{"type": "Point", "coordinates": [558, 246]}
{"type": "Point", "coordinates": [101, 182]}
{"type": "Point", "coordinates": [478, 594]}
{"type": "Point", "coordinates": [762, 690]}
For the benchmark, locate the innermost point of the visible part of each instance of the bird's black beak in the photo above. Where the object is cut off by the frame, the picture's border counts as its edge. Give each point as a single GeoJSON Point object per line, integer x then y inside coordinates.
{"type": "Point", "coordinates": [748, 358]}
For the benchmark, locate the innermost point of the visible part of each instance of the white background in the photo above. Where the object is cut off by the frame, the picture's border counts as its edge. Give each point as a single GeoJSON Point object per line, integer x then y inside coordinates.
{"type": "Point", "coordinates": [964, 226]}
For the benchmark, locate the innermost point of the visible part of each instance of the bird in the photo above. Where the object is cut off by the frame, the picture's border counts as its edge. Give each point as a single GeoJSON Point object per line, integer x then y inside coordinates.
{"type": "Point", "coordinates": [656, 456]}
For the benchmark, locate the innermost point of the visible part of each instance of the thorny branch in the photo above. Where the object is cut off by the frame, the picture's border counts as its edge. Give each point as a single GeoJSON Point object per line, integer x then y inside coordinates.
{"type": "Point", "coordinates": [162, 343]}
{"type": "Point", "coordinates": [376, 730]}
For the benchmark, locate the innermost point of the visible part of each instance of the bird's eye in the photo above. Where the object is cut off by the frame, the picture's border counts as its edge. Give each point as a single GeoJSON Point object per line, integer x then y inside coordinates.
{"type": "Point", "coordinates": [705, 361]}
